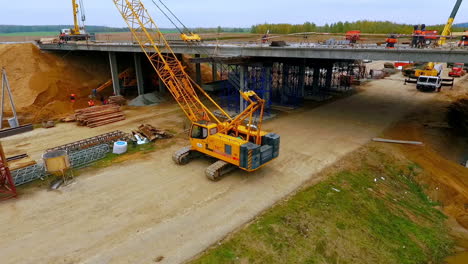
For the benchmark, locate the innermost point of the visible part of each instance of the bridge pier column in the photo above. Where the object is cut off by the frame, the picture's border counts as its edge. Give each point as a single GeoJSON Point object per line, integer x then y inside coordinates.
{"type": "Point", "coordinates": [328, 79]}
{"type": "Point", "coordinates": [139, 73]}
{"type": "Point", "coordinates": [301, 80]}
{"type": "Point", "coordinates": [268, 86]}
{"type": "Point", "coordinates": [214, 71]}
{"type": "Point", "coordinates": [114, 73]}
{"type": "Point", "coordinates": [198, 76]}
{"type": "Point", "coordinates": [242, 75]}
{"type": "Point", "coordinates": [316, 79]}
{"type": "Point", "coordinates": [285, 83]}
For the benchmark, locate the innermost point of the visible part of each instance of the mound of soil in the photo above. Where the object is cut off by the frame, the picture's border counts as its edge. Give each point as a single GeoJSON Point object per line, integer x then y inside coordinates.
{"type": "Point", "coordinates": [41, 82]}
{"type": "Point", "coordinates": [207, 75]}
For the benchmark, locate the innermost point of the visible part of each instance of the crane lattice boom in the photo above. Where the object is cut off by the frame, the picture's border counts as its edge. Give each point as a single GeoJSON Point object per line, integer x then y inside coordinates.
{"type": "Point", "coordinates": [165, 62]}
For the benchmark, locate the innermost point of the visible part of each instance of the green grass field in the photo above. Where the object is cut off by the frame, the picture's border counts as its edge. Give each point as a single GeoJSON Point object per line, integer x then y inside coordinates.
{"type": "Point", "coordinates": [373, 212]}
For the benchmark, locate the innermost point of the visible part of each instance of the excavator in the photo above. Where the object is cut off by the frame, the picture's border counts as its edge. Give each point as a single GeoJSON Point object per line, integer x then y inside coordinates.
{"type": "Point", "coordinates": [233, 141]}
{"type": "Point", "coordinates": [77, 32]}
{"type": "Point", "coordinates": [127, 76]}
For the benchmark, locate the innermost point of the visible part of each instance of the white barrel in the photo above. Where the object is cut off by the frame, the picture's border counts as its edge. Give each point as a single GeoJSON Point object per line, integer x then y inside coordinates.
{"type": "Point", "coordinates": [13, 122]}
{"type": "Point", "coordinates": [120, 147]}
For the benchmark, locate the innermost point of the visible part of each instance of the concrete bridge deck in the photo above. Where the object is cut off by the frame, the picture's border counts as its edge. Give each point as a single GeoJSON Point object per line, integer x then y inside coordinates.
{"type": "Point", "coordinates": [310, 51]}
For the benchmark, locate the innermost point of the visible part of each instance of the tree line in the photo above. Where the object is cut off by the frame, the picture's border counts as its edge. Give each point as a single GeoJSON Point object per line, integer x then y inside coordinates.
{"type": "Point", "coordinates": [365, 26]}
{"type": "Point", "coordinates": [5, 29]}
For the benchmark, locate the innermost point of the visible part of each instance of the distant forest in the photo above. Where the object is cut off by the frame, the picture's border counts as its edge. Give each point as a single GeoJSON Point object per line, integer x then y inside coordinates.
{"type": "Point", "coordinates": [461, 25]}
{"type": "Point", "coordinates": [54, 28]}
{"type": "Point", "coordinates": [365, 26]}
{"type": "Point", "coordinates": [5, 29]}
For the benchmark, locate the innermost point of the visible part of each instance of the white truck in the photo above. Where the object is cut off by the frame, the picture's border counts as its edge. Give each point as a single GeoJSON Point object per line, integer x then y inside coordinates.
{"type": "Point", "coordinates": [429, 83]}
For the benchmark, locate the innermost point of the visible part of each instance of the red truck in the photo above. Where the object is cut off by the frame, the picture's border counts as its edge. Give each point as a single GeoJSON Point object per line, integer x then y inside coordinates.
{"type": "Point", "coordinates": [457, 70]}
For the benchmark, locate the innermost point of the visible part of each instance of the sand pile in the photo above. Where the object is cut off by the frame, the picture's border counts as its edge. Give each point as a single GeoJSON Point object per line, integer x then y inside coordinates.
{"type": "Point", "coordinates": [42, 82]}
{"type": "Point", "coordinates": [207, 73]}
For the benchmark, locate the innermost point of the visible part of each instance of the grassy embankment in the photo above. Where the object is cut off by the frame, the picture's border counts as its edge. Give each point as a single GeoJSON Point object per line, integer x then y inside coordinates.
{"type": "Point", "coordinates": [369, 211]}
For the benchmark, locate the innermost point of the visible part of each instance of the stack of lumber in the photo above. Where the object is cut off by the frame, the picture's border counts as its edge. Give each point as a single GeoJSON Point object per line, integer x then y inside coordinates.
{"type": "Point", "coordinates": [117, 100]}
{"type": "Point", "coordinates": [19, 162]}
{"type": "Point", "coordinates": [151, 133]}
{"type": "Point", "coordinates": [99, 115]}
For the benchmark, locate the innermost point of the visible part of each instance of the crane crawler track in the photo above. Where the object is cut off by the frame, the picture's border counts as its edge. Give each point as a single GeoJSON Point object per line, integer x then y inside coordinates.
{"type": "Point", "coordinates": [183, 155]}
{"type": "Point", "coordinates": [216, 170]}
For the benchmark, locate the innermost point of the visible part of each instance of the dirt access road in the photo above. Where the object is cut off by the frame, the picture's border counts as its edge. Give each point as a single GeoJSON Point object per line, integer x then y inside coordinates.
{"type": "Point", "coordinates": [136, 211]}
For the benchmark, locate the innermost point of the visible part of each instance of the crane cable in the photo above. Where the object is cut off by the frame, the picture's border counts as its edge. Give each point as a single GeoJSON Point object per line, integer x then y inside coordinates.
{"type": "Point", "coordinates": [82, 13]}
{"type": "Point", "coordinates": [174, 16]}
{"type": "Point", "coordinates": [195, 46]}
{"type": "Point", "coordinates": [168, 17]}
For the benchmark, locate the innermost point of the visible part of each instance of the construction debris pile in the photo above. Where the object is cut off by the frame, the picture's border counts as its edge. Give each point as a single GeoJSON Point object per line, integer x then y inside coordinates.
{"type": "Point", "coordinates": [150, 133]}
{"type": "Point", "coordinates": [99, 115]}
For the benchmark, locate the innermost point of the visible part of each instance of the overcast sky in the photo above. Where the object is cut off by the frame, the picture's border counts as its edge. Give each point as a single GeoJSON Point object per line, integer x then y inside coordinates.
{"type": "Point", "coordinates": [238, 13]}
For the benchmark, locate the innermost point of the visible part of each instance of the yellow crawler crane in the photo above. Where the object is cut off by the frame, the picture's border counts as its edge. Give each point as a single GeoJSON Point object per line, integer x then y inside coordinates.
{"type": "Point", "coordinates": [76, 33]}
{"type": "Point", "coordinates": [448, 27]}
{"type": "Point", "coordinates": [430, 69]}
{"type": "Point", "coordinates": [236, 142]}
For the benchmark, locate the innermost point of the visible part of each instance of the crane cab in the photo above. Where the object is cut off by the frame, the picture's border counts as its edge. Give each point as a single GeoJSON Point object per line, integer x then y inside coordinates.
{"type": "Point", "coordinates": [236, 150]}
{"type": "Point", "coordinates": [191, 37]}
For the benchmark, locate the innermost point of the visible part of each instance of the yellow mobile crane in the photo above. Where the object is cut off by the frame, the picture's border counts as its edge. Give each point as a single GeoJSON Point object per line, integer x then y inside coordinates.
{"type": "Point", "coordinates": [236, 142]}
{"type": "Point", "coordinates": [448, 27]}
{"type": "Point", "coordinates": [77, 32]}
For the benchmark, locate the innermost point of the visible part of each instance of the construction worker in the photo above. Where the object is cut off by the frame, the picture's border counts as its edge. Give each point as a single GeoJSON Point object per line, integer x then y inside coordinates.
{"type": "Point", "coordinates": [91, 103]}
{"type": "Point", "coordinates": [72, 98]}
{"type": "Point", "coordinates": [62, 38]}
{"type": "Point", "coordinates": [416, 33]}
{"type": "Point", "coordinates": [391, 41]}
{"type": "Point", "coordinates": [464, 41]}
{"type": "Point", "coordinates": [94, 93]}
{"type": "Point", "coordinates": [266, 37]}
{"type": "Point", "coordinates": [422, 37]}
